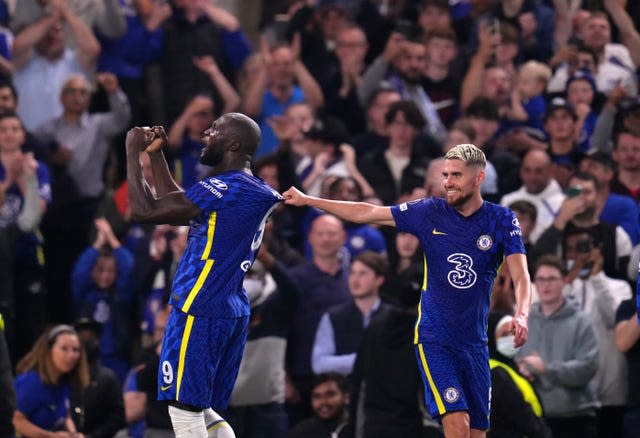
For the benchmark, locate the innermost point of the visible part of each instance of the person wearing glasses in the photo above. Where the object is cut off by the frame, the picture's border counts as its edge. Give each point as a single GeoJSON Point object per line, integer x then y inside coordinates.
{"type": "Point", "coordinates": [560, 357]}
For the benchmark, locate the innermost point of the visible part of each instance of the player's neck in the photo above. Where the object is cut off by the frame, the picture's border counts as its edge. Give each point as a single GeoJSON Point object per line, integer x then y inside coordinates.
{"type": "Point", "coordinates": [471, 206]}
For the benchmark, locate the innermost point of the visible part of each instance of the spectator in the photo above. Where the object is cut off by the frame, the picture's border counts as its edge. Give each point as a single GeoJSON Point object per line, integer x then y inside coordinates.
{"type": "Point", "coordinates": [80, 144]}
{"type": "Point", "coordinates": [581, 93]}
{"type": "Point", "coordinates": [27, 291]}
{"type": "Point", "coordinates": [196, 30]}
{"type": "Point", "coordinates": [340, 329]}
{"type": "Point", "coordinates": [257, 402]}
{"type": "Point", "coordinates": [330, 156]}
{"type": "Point", "coordinates": [538, 187]}
{"type": "Point", "coordinates": [377, 134]}
{"type": "Point", "coordinates": [104, 17]}
{"type": "Point", "coordinates": [329, 400]}
{"type": "Point", "coordinates": [535, 23]}
{"type": "Point", "coordinates": [612, 207]}
{"type": "Point", "coordinates": [515, 409]}
{"type": "Point", "coordinates": [185, 134]}
{"type": "Point", "coordinates": [45, 378]}
{"type": "Point", "coordinates": [102, 291]}
{"type": "Point", "coordinates": [383, 407]}
{"type": "Point", "coordinates": [281, 80]}
{"type": "Point", "coordinates": [560, 125]}
{"type": "Point", "coordinates": [578, 210]}
{"type": "Point", "coordinates": [527, 215]}
{"type": "Point", "coordinates": [142, 401]}
{"type": "Point", "coordinates": [396, 170]}
{"type": "Point", "coordinates": [403, 281]}
{"type": "Point", "coordinates": [528, 105]}
{"type": "Point", "coordinates": [560, 357]}
{"type": "Point", "coordinates": [626, 154]}
{"type": "Point", "coordinates": [402, 64]}
{"type": "Point", "coordinates": [627, 337]}
{"type": "Point", "coordinates": [41, 56]}
{"type": "Point", "coordinates": [482, 114]}
{"type": "Point", "coordinates": [8, 397]}
{"type": "Point", "coordinates": [323, 283]}
{"type": "Point", "coordinates": [441, 82]}
{"type": "Point", "coordinates": [599, 296]}
{"type": "Point", "coordinates": [341, 84]}
{"type": "Point", "coordinates": [98, 411]}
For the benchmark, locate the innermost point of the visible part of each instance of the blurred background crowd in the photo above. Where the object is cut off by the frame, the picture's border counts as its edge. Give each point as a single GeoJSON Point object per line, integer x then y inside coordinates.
{"type": "Point", "coordinates": [357, 100]}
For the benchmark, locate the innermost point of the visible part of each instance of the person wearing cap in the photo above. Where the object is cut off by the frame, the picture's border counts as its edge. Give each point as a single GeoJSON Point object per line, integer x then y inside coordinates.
{"type": "Point", "coordinates": [612, 207]}
{"type": "Point", "coordinates": [44, 379]}
{"type": "Point", "coordinates": [329, 156]}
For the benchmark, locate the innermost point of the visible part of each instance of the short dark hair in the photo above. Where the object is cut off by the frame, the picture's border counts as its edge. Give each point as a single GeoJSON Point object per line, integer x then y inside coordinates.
{"type": "Point", "coordinates": [551, 260]}
{"type": "Point", "coordinates": [585, 176]}
{"type": "Point", "coordinates": [445, 33]}
{"type": "Point", "coordinates": [330, 377]}
{"type": "Point", "coordinates": [383, 87]}
{"type": "Point", "coordinates": [525, 207]}
{"type": "Point", "coordinates": [8, 84]}
{"type": "Point", "coordinates": [377, 262]}
{"type": "Point", "coordinates": [483, 108]}
{"type": "Point", "coordinates": [410, 111]}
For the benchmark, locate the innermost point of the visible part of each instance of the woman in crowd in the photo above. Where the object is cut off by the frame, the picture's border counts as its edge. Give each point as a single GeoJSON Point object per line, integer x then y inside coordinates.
{"type": "Point", "coordinates": [45, 378]}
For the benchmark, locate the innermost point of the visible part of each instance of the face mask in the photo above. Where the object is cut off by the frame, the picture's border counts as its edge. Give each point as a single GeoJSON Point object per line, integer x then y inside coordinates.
{"type": "Point", "coordinates": [505, 347]}
{"type": "Point", "coordinates": [253, 287]}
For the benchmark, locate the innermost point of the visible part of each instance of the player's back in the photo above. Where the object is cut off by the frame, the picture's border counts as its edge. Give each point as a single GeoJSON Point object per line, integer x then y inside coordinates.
{"type": "Point", "coordinates": [462, 256]}
{"type": "Point", "coordinates": [222, 244]}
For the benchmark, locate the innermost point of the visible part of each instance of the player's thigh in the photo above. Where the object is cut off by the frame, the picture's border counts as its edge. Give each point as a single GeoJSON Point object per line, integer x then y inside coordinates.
{"type": "Point", "coordinates": [442, 379]}
{"type": "Point", "coordinates": [477, 386]}
{"type": "Point", "coordinates": [229, 357]}
{"type": "Point", "coordinates": [195, 352]}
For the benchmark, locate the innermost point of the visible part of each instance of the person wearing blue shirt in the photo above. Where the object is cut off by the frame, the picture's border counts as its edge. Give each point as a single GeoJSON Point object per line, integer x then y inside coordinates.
{"type": "Point", "coordinates": [45, 377]}
{"type": "Point", "coordinates": [465, 240]}
{"type": "Point", "coordinates": [227, 212]}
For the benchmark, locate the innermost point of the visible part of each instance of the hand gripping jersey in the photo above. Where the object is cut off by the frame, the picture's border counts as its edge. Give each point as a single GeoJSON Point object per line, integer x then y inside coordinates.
{"type": "Point", "coordinates": [462, 256]}
{"type": "Point", "coordinates": [222, 244]}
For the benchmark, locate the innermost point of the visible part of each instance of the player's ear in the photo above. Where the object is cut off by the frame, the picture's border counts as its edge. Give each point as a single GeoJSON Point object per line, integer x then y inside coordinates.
{"type": "Point", "coordinates": [233, 145]}
{"type": "Point", "coordinates": [480, 177]}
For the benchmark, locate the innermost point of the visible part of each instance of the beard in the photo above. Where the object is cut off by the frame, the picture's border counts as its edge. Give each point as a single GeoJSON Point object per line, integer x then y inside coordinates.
{"type": "Point", "coordinates": [413, 79]}
{"type": "Point", "coordinates": [458, 199]}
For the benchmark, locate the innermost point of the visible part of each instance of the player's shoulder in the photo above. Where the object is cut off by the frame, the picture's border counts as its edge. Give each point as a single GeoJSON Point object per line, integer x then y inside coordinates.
{"type": "Point", "coordinates": [497, 209]}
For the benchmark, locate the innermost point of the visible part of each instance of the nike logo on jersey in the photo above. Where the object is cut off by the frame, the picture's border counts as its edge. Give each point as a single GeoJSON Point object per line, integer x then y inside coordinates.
{"type": "Point", "coordinates": [438, 233]}
{"type": "Point", "coordinates": [164, 388]}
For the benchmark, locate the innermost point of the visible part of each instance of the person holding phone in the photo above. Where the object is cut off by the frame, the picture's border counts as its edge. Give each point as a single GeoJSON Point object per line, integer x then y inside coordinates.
{"type": "Point", "coordinates": [599, 296]}
{"type": "Point", "coordinates": [579, 211]}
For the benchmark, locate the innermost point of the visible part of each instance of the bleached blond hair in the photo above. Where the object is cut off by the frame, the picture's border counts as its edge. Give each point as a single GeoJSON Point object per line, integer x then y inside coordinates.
{"type": "Point", "coordinates": [469, 154]}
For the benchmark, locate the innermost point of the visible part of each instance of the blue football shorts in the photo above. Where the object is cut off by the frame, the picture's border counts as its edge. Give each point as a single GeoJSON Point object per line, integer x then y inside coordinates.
{"type": "Point", "coordinates": [200, 359]}
{"type": "Point", "coordinates": [456, 380]}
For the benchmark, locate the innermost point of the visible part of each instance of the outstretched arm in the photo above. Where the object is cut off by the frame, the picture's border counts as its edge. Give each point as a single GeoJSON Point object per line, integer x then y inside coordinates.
{"type": "Point", "coordinates": [358, 212]}
{"type": "Point", "coordinates": [170, 207]}
{"type": "Point", "coordinates": [517, 264]}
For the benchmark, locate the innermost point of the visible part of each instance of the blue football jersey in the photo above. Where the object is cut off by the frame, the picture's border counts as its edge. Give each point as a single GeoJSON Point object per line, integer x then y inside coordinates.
{"type": "Point", "coordinates": [222, 244]}
{"type": "Point", "coordinates": [462, 256]}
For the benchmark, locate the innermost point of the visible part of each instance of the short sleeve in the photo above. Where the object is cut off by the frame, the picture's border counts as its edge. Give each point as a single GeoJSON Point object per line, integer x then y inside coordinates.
{"type": "Point", "coordinates": [410, 217]}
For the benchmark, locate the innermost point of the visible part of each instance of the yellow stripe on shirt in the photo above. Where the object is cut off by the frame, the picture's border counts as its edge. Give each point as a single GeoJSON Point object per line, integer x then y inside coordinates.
{"type": "Point", "coordinates": [424, 288]}
{"type": "Point", "coordinates": [183, 352]}
{"type": "Point", "coordinates": [432, 385]}
{"type": "Point", "coordinates": [207, 264]}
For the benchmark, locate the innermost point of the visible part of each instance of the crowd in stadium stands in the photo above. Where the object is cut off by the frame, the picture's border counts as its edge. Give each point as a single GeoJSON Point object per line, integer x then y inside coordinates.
{"type": "Point", "coordinates": [356, 100]}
